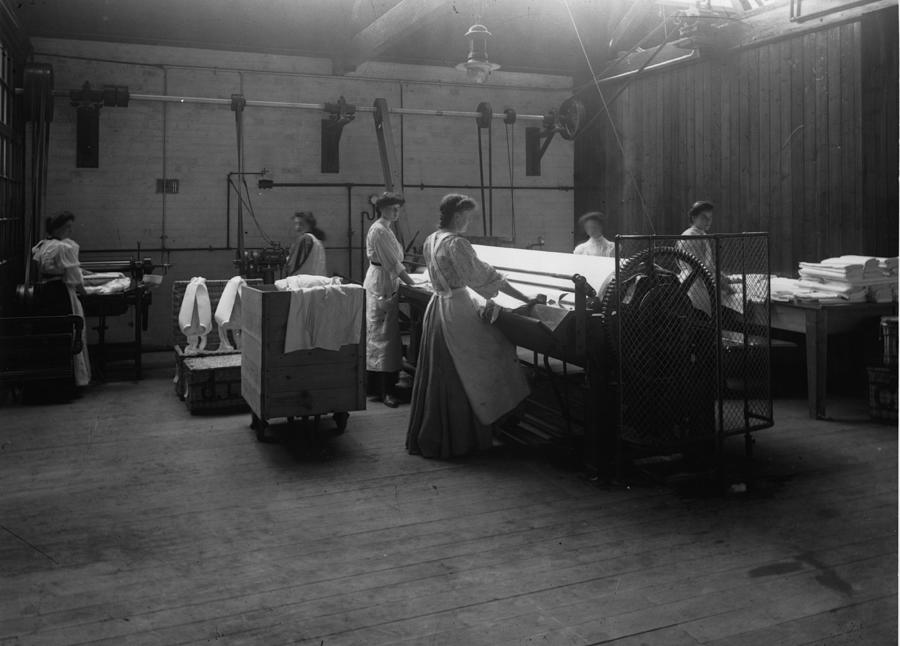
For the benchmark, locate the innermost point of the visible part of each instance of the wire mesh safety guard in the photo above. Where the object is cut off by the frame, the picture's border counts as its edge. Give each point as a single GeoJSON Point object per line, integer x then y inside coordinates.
{"type": "Point", "coordinates": [688, 322]}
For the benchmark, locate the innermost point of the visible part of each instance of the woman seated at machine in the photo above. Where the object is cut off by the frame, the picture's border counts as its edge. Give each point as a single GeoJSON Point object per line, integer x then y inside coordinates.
{"type": "Point", "coordinates": [307, 254]}
{"type": "Point", "coordinates": [468, 375]}
{"type": "Point", "coordinates": [596, 244]}
{"type": "Point", "coordinates": [60, 281]}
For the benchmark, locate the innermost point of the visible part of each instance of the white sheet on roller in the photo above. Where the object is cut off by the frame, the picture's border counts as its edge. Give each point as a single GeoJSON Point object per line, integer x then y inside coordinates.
{"type": "Point", "coordinates": [520, 264]}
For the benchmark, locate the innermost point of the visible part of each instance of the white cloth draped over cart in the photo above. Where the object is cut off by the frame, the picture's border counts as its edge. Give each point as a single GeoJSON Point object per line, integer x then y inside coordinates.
{"type": "Point", "coordinates": [58, 259]}
{"type": "Point", "coordinates": [228, 314]}
{"type": "Point", "coordinates": [327, 317]}
{"type": "Point", "coordinates": [195, 315]}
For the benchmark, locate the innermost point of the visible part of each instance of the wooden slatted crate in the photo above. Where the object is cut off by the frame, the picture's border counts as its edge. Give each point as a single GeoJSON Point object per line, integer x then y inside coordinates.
{"type": "Point", "coordinates": [305, 383]}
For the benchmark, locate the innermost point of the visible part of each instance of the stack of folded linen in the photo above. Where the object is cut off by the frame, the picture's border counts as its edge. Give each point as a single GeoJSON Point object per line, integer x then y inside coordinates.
{"type": "Point", "coordinates": [794, 290]}
{"type": "Point", "coordinates": [852, 278]}
{"type": "Point", "coordinates": [873, 266]}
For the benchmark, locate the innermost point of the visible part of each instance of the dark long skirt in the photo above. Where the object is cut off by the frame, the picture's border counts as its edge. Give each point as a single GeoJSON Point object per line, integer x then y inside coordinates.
{"type": "Point", "coordinates": [442, 424]}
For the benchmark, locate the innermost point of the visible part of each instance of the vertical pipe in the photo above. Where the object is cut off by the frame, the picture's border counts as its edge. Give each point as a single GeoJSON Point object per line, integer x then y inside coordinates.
{"type": "Point", "coordinates": [770, 412]}
{"type": "Point", "coordinates": [239, 129]}
{"type": "Point", "coordinates": [165, 128]}
{"type": "Point", "coordinates": [228, 211]}
{"type": "Point", "coordinates": [350, 231]}
{"type": "Point", "coordinates": [490, 179]}
{"type": "Point", "coordinates": [484, 225]}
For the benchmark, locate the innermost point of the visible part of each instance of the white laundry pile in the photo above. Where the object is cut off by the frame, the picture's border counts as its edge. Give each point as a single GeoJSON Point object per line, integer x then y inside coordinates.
{"type": "Point", "coordinates": [851, 278]}
{"type": "Point", "coordinates": [107, 282]}
{"type": "Point", "coordinates": [114, 286]}
{"type": "Point", "coordinates": [303, 281]}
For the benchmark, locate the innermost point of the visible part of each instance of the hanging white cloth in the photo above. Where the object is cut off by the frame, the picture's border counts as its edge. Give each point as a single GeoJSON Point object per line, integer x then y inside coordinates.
{"type": "Point", "coordinates": [326, 317]}
{"type": "Point", "coordinates": [195, 316]}
{"type": "Point", "coordinates": [228, 314]}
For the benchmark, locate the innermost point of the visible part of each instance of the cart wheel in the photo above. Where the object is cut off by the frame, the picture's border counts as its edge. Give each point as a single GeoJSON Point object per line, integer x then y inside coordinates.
{"type": "Point", "coordinates": [260, 426]}
{"type": "Point", "coordinates": [340, 420]}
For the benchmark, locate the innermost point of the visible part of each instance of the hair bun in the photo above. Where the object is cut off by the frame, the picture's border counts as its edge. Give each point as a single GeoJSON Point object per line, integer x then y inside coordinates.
{"type": "Point", "coordinates": [452, 204]}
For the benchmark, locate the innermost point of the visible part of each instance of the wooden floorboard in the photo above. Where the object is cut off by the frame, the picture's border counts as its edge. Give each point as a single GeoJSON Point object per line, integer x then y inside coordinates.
{"type": "Point", "coordinates": [124, 519]}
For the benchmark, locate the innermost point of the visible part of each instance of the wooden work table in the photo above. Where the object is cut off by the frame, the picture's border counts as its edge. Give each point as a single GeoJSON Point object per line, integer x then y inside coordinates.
{"type": "Point", "coordinates": [817, 321]}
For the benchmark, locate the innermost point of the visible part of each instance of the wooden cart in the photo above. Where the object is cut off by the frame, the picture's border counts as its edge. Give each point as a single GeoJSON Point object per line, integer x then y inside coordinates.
{"type": "Point", "coordinates": [304, 384]}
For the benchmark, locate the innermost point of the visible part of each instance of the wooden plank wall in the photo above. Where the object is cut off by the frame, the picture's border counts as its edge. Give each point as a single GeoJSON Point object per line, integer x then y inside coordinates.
{"type": "Point", "coordinates": [12, 165]}
{"type": "Point", "coordinates": [879, 130]}
{"type": "Point", "coordinates": [772, 135]}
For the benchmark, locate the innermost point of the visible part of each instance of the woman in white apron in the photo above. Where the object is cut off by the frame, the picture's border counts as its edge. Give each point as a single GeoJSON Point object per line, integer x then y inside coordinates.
{"type": "Point", "coordinates": [307, 255]}
{"type": "Point", "coordinates": [384, 351]}
{"type": "Point", "coordinates": [59, 282]}
{"type": "Point", "coordinates": [468, 375]}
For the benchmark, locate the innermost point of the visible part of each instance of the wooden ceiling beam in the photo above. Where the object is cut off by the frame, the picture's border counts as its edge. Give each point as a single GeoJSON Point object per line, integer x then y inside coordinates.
{"type": "Point", "coordinates": [392, 26]}
{"type": "Point", "coordinates": [625, 32]}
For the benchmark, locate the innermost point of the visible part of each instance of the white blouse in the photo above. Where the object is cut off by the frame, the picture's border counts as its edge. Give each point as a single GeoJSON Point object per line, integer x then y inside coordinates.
{"type": "Point", "coordinates": [458, 265]}
{"type": "Point", "coordinates": [601, 247]}
{"type": "Point", "coordinates": [59, 258]}
{"type": "Point", "coordinates": [385, 254]}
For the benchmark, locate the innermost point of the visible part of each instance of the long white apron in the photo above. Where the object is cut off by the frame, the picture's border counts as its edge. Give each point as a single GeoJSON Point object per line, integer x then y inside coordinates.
{"type": "Point", "coordinates": [81, 362]}
{"type": "Point", "coordinates": [484, 359]}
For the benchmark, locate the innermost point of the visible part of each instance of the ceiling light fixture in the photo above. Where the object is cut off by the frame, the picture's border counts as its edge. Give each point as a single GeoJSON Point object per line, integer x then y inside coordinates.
{"type": "Point", "coordinates": [477, 66]}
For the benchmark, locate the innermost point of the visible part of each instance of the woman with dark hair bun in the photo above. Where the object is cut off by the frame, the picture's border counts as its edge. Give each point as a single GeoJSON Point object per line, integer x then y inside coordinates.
{"type": "Point", "coordinates": [468, 375]}
{"type": "Point", "coordinates": [307, 255]}
{"type": "Point", "coordinates": [60, 280]}
{"type": "Point", "coordinates": [384, 350]}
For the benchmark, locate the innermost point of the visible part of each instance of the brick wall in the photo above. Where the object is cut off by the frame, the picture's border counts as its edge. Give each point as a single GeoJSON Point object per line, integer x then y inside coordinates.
{"type": "Point", "coordinates": [117, 206]}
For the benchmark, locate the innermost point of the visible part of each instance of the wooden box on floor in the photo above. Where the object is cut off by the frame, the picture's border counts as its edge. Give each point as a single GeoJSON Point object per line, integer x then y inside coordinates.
{"type": "Point", "coordinates": [211, 379]}
{"type": "Point", "coordinates": [304, 383]}
{"type": "Point", "coordinates": [883, 394]}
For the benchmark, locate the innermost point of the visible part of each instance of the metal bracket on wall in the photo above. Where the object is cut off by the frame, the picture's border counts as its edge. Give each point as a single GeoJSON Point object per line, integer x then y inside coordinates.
{"type": "Point", "coordinates": [567, 122]}
{"type": "Point", "coordinates": [340, 114]}
{"type": "Point", "coordinates": [87, 102]}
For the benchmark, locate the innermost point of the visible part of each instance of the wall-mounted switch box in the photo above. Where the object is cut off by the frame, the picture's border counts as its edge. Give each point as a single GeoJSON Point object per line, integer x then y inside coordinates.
{"type": "Point", "coordinates": [166, 185]}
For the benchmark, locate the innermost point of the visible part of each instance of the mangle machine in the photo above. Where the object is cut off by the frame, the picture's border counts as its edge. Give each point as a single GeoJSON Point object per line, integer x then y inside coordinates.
{"type": "Point", "coordinates": [638, 363]}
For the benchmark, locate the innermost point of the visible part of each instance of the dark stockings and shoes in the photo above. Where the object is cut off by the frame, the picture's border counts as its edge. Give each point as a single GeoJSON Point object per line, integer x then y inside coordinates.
{"type": "Point", "coordinates": [382, 387]}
